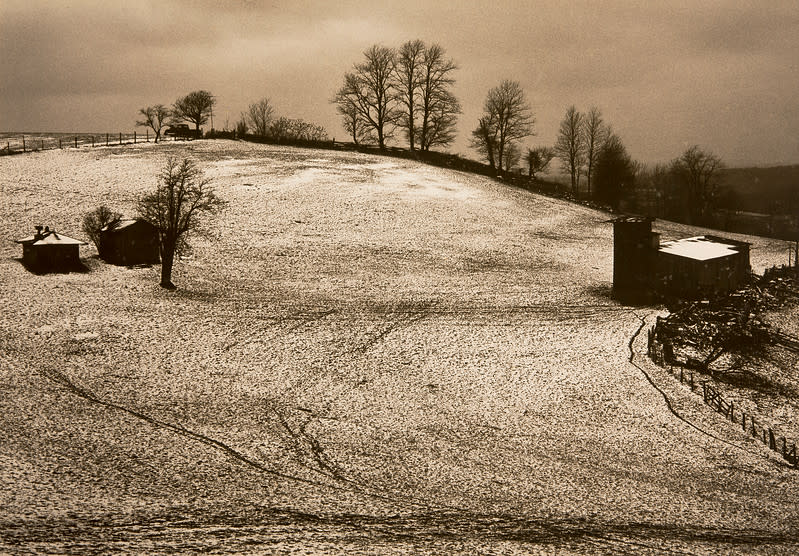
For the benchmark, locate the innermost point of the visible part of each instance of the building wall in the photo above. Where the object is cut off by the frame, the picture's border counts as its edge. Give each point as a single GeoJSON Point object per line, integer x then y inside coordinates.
{"type": "Point", "coordinates": [137, 244]}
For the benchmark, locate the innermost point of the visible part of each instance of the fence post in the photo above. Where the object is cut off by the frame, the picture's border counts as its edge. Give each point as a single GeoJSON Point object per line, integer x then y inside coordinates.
{"type": "Point", "coordinates": [92, 140]}
{"type": "Point", "coordinates": [772, 443]}
{"type": "Point", "coordinates": [731, 414]}
{"type": "Point", "coordinates": [59, 143]}
{"type": "Point", "coordinates": [692, 381]}
{"type": "Point", "coordinates": [680, 375]}
{"type": "Point", "coordinates": [134, 137]}
{"type": "Point", "coordinates": [743, 421]}
{"type": "Point", "coordinates": [23, 143]}
{"type": "Point", "coordinates": [148, 135]}
{"type": "Point", "coordinates": [76, 141]}
{"type": "Point", "coordinates": [42, 144]}
{"type": "Point", "coordinates": [120, 137]}
{"type": "Point", "coordinates": [106, 139]}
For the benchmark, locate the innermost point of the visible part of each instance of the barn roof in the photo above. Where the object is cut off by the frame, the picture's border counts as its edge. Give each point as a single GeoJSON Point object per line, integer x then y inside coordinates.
{"type": "Point", "coordinates": [50, 238]}
{"type": "Point", "coordinates": [123, 224]}
{"type": "Point", "coordinates": [699, 248]}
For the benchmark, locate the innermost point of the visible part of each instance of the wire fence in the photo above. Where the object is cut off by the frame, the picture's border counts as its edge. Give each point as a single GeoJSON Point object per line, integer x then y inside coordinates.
{"type": "Point", "coordinates": [659, 353]}
{"type": "Point", "coordinates": [33, 142]}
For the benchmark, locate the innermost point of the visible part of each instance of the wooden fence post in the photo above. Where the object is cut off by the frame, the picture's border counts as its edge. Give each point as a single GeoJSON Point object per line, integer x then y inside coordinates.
{"type": "Point", "coordinates": [92, 140]}
{"type": "Point", "coordinates": [134, 137]}
{"type": "Point", "coordinates": [743, 421]}
{"type": "Point", "coordinates": [23, 143]}
{"type": "Point", "coordinates": [59, 143]}
{"type": "Point", "coordinates": [106, 139]}
{"type": "Point", "coordinates": [120, 137]}
{"type": "Point", "coordinates": [76, 141]}
{"type": "Point", "coordinates": [148, 134]}
{"type": "Point", "coordinates": [772, 443]}
{"type": "Point", "coordinates": [42, 144]}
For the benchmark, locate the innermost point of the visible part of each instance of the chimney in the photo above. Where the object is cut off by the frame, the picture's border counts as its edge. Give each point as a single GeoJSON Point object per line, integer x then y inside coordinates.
{"type": "Point", "coordinates": [38, 234]}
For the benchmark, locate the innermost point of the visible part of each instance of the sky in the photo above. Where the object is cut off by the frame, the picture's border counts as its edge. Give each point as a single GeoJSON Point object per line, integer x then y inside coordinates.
{"type": "Point", "coordinates": [666, 75]}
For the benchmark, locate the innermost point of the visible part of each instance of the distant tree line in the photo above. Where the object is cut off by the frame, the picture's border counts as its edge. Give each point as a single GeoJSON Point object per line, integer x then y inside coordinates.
{"type": "Point", "coordinates": [259, 120]}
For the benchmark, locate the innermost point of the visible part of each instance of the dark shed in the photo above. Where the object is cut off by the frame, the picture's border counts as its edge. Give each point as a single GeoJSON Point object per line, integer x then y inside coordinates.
{"type": "Point", "coordinates": [47, 251]}
{"type": "Point", "coordinates": [634, 257]}
{"type": "Point", "coordinates": [129, 242]}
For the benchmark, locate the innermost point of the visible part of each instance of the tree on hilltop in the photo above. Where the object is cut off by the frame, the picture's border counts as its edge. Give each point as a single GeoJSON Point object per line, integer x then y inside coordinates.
{"type": "Point", "coordinates": [259, 116]}
{"type": "Point", "coordinates": [194, 108]}
{"type": "Point", "coordinates": [569, 146]}
{"type": "Point", "coordinates": [176, 208]}
{"type": "Point", "coordinates": [438, 106]}
{"type": "Point", "coordinates": [507, 117]}
{"type": "Point", "coordinates": [538, 160]}
{"type": "Point", "coordinates": [594, 133]}
{"type": "Point", "coordinates": [369, 90]}
{"type": "Point", "coordinates": [155, 118]}
{"type": "Point", "coordinates": [697, 172]}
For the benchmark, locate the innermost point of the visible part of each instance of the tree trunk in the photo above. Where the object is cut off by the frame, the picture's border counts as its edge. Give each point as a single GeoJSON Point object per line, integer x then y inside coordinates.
{"type": "Point", "coordinates": [167, 260]}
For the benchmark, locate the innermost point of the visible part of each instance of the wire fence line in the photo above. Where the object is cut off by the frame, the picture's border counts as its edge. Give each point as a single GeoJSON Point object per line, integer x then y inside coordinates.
{"type": "Point", "coordinates": [11, 143]}
{"type": "Point", "coordinates": [712, 397]}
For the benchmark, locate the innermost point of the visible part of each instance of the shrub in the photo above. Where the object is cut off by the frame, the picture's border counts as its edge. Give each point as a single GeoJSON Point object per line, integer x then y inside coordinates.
{"type": "Point", "coordinates": [96, 220]}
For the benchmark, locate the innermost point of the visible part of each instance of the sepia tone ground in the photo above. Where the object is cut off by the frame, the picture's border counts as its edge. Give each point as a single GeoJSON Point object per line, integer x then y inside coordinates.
{"type": "Point", "coordinates": [367, 355]}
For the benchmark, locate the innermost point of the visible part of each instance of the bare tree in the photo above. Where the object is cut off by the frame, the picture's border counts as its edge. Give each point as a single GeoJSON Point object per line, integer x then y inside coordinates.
{"type": "Point", "coordinates": [512, 154]}
{"type": "Point", "coordinates": [569, 146]}
{"type": "Point", "coordinates": [155, 118]}
{"type": "Point", "coordinates": [409, 77]}
{"type": "Point", "coordinates": [96, 220]}
{"type": "Point", "coordinates": [242, 127]}
{"type": "Point", "coordinates": [698, 172]}
{"type": "Point", "coordinates": [176, 208]}
{"type": "Point", "coordinates": [354, 124]}
{"type": "Point", "coordinates": [369, 88]}
{"type": "Point", "coordinates": [594, 134]}
{"type": "Point", "coordinates": [194, 108]}
{"type": "Point", "coordinates": [511, 114]}
{"type": "Point", "coordinates": [439, 107]}
{"type": "Point", "coordinates": [259, 116]}
{"type": "Point", "coordinates": [538, 160]}
{"type": "Point", "coordinates": [484, 139]}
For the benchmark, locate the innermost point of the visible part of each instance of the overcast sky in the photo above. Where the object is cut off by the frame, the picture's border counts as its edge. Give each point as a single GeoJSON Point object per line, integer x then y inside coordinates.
{"type": "Point", "coordinates": [666, 75]}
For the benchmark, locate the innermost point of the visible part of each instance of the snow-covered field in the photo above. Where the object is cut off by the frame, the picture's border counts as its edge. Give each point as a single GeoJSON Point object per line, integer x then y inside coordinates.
{"type": "Point", "coordinates": [369, 355]}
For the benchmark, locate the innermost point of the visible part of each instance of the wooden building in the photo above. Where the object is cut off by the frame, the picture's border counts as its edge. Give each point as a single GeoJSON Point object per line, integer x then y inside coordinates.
{"type": "Point", "coordinates": [634, 258]}
{"type": "Point", "coordinates": [129, 242]}
{"type": "Point", "coordinates": [702, 266]}
{"type": "Point", "coordinates": [49, 251]}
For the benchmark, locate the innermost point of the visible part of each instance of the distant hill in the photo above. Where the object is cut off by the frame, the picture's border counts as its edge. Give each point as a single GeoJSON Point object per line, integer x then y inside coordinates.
{"type": "Point", "coordinates": [759, 189]}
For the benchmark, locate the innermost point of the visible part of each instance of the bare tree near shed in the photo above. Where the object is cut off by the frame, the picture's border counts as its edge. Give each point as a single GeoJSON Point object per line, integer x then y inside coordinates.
{"type": "Point", "coordinates": [513, 119]}
{"type": "Point", "coordinates": [194, 108]}
{"type": "Point", "coordinates": [439, 107]}
{"type": "Point", "coordinates": [369, 88]}
{"type": "Point", "coordinates": [96, 220]}
{"type": "Point", "coordinates": [259, 116]}
{"type": "Point", "coordinates": [569, 146]}
{"type": "Point", "coordinates": [182, 199]}
{"type": "Point", "coordinates": [155, 118]}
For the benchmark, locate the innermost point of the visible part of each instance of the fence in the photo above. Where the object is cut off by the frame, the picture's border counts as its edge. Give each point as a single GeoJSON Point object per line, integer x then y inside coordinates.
{"type": "Point", "coordinates": [712, 397]}
{"type": "Point", "coordinates": [25, 143]}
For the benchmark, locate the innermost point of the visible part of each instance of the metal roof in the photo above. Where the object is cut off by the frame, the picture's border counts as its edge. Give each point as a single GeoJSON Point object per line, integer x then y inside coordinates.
{"type": "Point", "coordinates": [699, 248]}
{"type": "Point", "coordinates": [119, 224]}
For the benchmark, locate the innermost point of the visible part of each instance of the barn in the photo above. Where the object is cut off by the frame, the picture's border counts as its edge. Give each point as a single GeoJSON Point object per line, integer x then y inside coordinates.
{"type": "Point", "coordinates": [701, 266]}
{"type": "Point", "coordinates": [48, 251]}
{"type": "Point", "coordinates": [129, 242]}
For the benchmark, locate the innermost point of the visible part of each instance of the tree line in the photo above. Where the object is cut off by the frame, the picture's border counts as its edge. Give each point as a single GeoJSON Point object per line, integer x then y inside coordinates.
{"type": "Point", "coordinates": [408, 89]}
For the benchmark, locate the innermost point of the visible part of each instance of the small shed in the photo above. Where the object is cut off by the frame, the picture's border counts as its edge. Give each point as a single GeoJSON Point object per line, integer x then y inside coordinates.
{"type": "Point", "coordinates": [129, 241]}
{"type": "Point", "coordinates": [634, 257]}
{"type": "Point", "coordinates": [48, 250]}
